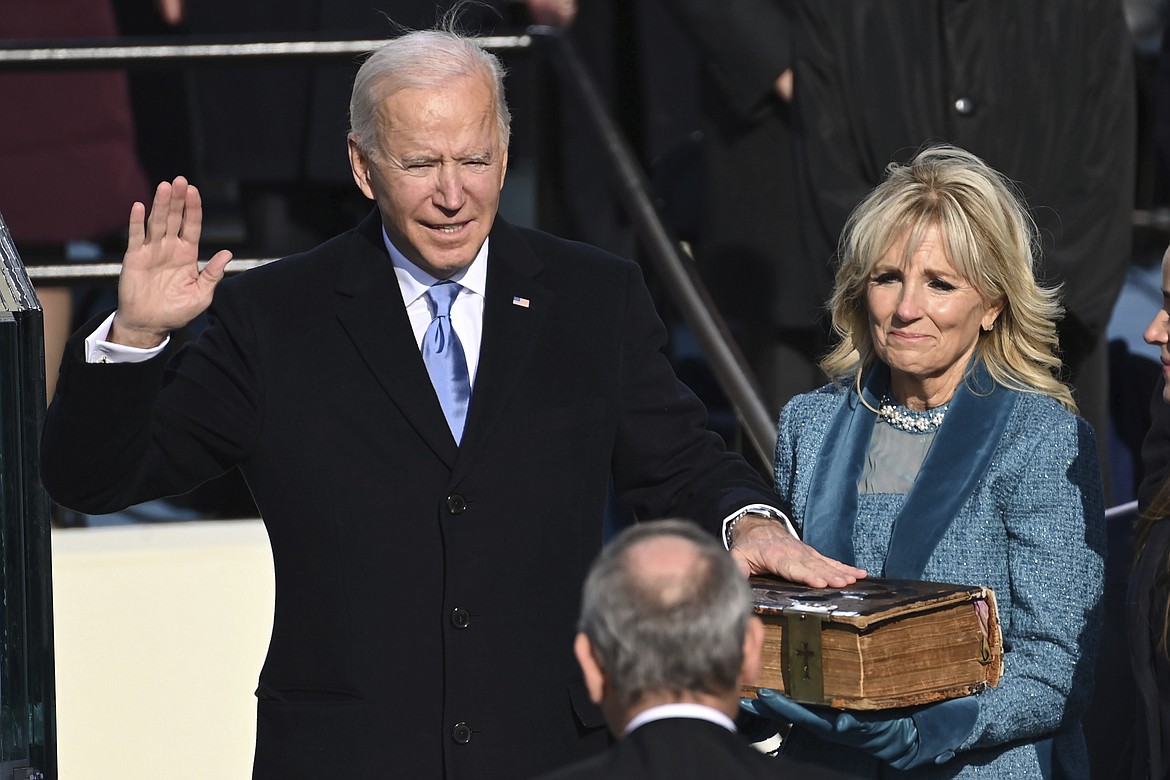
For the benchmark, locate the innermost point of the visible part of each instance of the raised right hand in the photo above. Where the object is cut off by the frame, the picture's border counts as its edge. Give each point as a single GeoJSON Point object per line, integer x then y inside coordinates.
{"type": "Point", "coordinates": [161, 288]}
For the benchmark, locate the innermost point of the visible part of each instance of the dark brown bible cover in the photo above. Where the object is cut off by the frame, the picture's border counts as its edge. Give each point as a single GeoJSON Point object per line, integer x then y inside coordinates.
{"type": "Point", "coordinates": [877, 644]}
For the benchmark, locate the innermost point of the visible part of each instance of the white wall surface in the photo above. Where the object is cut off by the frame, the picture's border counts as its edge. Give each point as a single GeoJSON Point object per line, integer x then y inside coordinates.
{"type": "Point", "coordinates": [161, 631]}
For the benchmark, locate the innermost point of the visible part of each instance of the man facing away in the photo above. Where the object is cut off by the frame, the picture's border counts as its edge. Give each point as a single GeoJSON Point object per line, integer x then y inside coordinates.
{"type": "Point", "coordinates": [666, 638]}
{"type": "Point", "coordinates": [428, 410]}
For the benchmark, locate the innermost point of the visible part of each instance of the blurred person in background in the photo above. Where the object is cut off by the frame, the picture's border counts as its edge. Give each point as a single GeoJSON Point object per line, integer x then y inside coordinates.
{"type": "Point", "coordinates": [747, 241]}
{"type": "Point", "coordinates": [1043, 91]}
{"type": "Point", "coordinates": [67, 153]}
{"type": "Point", "coordinates": [1148, 603]}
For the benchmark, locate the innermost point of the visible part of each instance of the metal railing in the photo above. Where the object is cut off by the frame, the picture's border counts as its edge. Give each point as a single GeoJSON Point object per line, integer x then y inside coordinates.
{"type": "Point", "coordinates": [77, 53]}
{"type": "Point", "coordinates": [675, 269]}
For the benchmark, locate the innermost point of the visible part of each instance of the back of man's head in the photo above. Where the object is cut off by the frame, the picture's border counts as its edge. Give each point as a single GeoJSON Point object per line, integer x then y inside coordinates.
{"type": "Point", "coordinates": [665, 610]}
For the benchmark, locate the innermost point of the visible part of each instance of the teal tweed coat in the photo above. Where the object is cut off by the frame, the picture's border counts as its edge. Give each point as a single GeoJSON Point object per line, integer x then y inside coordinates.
{"type": "Point", "coordinates": [1009, 496]}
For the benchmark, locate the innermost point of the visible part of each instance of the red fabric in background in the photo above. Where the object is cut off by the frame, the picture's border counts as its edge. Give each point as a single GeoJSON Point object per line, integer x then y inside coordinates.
{"type": "Point", "coordinates": [68, 165]}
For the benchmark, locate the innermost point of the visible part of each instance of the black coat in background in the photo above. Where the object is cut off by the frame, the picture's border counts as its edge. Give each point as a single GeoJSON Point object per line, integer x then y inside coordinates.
{"type": "Point", "coordinates": [1149, 591]}
{"type": "Point", "coordinates": [427, 594]}
{"type": "Point", "coordinates": [286, 122]}
{"type": "Point", "coordinates": [1155, 448]}
{"type": "Point", "coordinates": [746, 245]}
{"type": "Point", "coordinates": [1145, 609]}
{"type": "Point", "coordinates": [747, 238]}
{"type": "Point", "coordinates": [1043, 91]}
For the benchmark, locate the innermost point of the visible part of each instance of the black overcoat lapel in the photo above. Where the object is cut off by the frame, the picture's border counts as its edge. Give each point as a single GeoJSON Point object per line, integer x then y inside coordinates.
{"type": "Point", "coordinates": [515, 310]}
{"type": "Point", "coordinates": [370, 310]}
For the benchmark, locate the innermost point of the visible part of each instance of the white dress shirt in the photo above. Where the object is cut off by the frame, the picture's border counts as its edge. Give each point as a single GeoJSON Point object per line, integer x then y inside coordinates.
{"type": "Point", "coordinates": [466, 311]}
{"type": "Point", "coordinates": [680, 710]}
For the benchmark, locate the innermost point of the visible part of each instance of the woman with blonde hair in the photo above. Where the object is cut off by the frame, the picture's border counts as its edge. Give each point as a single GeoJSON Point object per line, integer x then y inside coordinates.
{"type": "Point", "coordinates": [947, 449]}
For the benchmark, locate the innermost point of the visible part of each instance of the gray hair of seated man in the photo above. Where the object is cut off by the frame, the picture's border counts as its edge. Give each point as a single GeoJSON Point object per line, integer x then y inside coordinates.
{"type": "Point", "coordinates": [676, 632]}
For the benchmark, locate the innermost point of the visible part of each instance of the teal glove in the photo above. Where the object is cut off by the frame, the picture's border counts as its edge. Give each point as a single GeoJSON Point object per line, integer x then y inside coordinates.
{"type": "Point", "coordinates": [894, 739]}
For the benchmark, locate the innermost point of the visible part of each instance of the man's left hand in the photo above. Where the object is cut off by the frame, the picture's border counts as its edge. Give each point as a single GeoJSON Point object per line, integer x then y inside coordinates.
{"type": "Point", "coordinates": [762, 545]}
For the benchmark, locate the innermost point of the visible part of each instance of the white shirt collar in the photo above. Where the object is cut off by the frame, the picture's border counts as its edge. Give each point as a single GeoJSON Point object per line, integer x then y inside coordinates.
{"type": "Point", "coordinates": [414, 281]}
{"type": "Point", "coordinates": [680, 710]}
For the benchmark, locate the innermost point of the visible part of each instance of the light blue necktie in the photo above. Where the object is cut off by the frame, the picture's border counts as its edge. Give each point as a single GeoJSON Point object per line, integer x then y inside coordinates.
{"type": "Point", "coordinates": [443, 355]}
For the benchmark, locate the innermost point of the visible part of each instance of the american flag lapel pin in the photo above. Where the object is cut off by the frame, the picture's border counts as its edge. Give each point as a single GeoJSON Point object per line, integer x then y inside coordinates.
{"type": "Point", "coordinates": [518, 301]}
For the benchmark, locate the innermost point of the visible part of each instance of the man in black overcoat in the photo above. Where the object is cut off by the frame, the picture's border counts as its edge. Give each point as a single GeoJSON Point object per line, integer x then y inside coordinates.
{"type": "Point", "coordinates": [428, 558]}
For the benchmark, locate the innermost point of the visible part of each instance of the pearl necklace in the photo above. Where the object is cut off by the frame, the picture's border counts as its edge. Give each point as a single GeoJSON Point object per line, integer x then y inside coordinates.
{"type": "Point", "coordinates": [910, 420]}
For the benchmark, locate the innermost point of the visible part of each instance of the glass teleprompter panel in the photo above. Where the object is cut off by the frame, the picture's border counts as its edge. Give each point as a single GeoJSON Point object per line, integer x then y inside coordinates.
{"type": "Point", "coordinates": [27, 694]}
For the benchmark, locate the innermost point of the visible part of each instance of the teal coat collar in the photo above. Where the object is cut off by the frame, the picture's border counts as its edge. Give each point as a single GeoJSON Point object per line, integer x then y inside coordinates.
{"type": "Point", "coordinates": [957, 460]}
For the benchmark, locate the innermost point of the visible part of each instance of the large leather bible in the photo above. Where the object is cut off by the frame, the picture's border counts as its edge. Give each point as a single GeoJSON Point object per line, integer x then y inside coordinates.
{"type": "Point", "coordinates": [879, 643]}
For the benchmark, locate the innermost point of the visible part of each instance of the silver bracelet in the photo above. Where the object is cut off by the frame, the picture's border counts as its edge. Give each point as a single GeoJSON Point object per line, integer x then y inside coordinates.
{"type": "Point", "coordinates": [730, 528]}
{"type": "Point", "coordinates": [759, 511]}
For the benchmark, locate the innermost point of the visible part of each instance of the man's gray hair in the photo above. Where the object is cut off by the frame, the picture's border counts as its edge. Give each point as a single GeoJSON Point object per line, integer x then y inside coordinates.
{"type": "Point", "coordinates": [422, 59]}
{"type": "Point", "coordinates": [666, 634]}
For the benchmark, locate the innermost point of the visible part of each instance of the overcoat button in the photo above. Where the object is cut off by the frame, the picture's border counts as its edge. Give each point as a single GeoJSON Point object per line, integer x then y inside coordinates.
{"type": "Point", "coordinates": [965, 106]}
{"type": "Point", "coordinates": [461, 618]}
{"type": "Point", "coordinates": [456, 503]}
{"type": "Point", "coordinates": [461, 733]}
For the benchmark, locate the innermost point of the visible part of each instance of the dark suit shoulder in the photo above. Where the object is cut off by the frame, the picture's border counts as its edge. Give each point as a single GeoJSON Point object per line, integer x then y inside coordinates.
{"type": "Point", "coordinates": [298, 285]}
{"type": "Point", "coordinates": [546, 243]}
{"type": "Point", "coordinates": [537, 252]}
{"type": "Point", "coordinates": [685, 749]}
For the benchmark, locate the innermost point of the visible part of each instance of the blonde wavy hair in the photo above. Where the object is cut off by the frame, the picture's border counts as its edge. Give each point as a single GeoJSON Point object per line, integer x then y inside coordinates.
{"type": "Point", "coordinates": [990, 239]}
